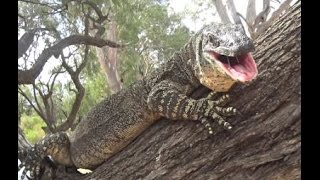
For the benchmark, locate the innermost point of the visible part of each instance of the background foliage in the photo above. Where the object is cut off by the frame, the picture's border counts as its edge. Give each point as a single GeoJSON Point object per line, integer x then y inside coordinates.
{"type": "Point", "coordinates": [151, 35]}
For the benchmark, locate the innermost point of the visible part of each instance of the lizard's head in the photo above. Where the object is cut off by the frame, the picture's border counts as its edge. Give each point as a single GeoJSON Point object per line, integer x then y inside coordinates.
{"type": "Point", "coordinates": [223, 57]}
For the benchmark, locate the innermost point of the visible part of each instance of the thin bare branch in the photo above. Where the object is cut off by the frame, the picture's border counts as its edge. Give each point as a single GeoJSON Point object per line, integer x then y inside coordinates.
{"type": "Point", "coordinates": [47, 105]}
{"type": "Point", "coordinates": [30, 102]}
{"type": "Point", "coordinates": [266, 3]}
{"type": "Point", "coordinates": [86, 24]}
{"type": "Point", "coordinates": [262, 16]}
{"type": "Point", "coordinates": [54, 12]}
{"type": "Point", "coordinates": [85, 60]}
{"type": "Point", "coordinates": [222, 11]}
{"type": "Point", "coordinates": [26, 40]}
{"type": "Point", "coordinates": [53, 6]}
{"type": "Point", "coordinates": [64, 113]}
{"type": "Point", "coordinates": [28, 76]}
{"type": "Point", "coordinates": [39, 90]}
{"type": "Point", "coordinates": [244, 19]}
{"type": "Point", "coordinates": [36, 99]}
{"type": "Point", "coordinates": [45, 99]}
{"type": "Point", "coordinates": [101, 17]}
{"type": "Point", "coordinates": [66, 66]}
{"type": "Point", "coordinates": [277, 1]}
{"type": "Point", "coordinates": [52, 114]}
{"type": "Point", "coordinates": [251, 12]}
{"type": "Point", "coordinates": [71, 89]}
{"type": "Point", "coordinates": [55, 76]}
{"type": "Point", "coordinates": [22, 17]}
{"type": "Point", "coordinates": [33, 2]}
{"type": "Point", "coordinates": [79, 96]}
{"type": "Point", "coordinates": [233, 11]}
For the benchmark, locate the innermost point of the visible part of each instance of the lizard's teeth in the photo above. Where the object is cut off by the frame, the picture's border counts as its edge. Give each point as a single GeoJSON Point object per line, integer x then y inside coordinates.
{"type": "Point", "coordinates": [243, 70]}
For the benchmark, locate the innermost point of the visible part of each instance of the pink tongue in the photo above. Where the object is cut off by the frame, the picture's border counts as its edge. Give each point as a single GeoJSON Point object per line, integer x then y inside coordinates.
{"type": "Point", "coordinates": [239, 68]}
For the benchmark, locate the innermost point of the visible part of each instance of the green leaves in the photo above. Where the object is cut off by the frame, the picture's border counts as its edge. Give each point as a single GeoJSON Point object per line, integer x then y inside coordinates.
{"type": "Point", "coordinates": [116, 2]}
{"type": "Point", "coordinates": [145, 24]}
{"type": "Point", "coordinates": [96, 90]}
{"type": "Point", "coordinates": [32, 126]}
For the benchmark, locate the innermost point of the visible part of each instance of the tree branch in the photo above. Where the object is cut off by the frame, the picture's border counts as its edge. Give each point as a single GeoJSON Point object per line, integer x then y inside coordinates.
{"type": "Point", "coordinates": [45, 99]}
{"type": "Point", "coordinates": [31, 104]}
{"type": "Point", "coordinates": [36, 3]}
{"type": "Point", "coordinates": [98, 11]}
{"type": "Point", "coordinates": [36, 99]}
{"type": "Point", "coordinates": [50, 91]}
{"type": "Point", "coordinates": [251, 12]}
{"type": "Point", "coordinates": [79, 95]}
{"type": "Point", "coordinates": [221, 9]}
{"type": "Point", "coordinates": [25, 41]}
{"type": "Point", "coordinates": [262, 16]}
{"type": "Point", "coordinates": [28, 76]}
{"type": "Point", "coordinates": [233, 11]}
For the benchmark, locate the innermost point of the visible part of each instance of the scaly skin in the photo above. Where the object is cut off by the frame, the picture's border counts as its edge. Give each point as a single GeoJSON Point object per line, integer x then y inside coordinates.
{"type": "Point", "coordinates": [120, 118]}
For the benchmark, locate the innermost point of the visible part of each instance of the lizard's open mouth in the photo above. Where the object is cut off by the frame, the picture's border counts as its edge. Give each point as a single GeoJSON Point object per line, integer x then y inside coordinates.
{"type": "Point", "coordinates": [241, 68]}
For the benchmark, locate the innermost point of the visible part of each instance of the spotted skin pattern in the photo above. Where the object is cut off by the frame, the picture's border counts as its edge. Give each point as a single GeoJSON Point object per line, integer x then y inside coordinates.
{"type": "Point", "coordinates": [176, 106]}
{"type": "Point", "coordinates": [57, 145]}
{"type": "Point", "coordinates": [119, 119]}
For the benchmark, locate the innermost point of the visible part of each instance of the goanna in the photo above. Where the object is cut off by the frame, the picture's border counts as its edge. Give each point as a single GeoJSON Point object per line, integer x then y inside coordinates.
{"type": "Point", "coordinates": [218, 56]}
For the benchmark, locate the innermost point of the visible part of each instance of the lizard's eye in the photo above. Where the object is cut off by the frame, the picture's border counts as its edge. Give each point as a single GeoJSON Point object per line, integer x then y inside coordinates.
{"type": "Point", "coordinates": [213, 40]}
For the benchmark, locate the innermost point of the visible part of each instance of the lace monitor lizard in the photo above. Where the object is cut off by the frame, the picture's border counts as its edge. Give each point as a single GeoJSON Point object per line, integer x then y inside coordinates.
{"type": "Point", "coordinates": [218, 56]}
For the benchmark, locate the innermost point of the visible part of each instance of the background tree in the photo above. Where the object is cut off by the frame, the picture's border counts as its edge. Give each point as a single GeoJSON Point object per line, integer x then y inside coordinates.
{"type": "Point", "coordinates": [62, 29]}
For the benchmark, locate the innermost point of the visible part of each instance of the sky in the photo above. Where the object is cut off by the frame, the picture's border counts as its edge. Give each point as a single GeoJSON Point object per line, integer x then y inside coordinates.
{"type": "Point", "coordinates": [206, 16]}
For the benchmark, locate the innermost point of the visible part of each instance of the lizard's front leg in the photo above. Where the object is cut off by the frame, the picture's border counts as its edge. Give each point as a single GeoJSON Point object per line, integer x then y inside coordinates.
{"type": "Point", "coordinates": [167, 99]}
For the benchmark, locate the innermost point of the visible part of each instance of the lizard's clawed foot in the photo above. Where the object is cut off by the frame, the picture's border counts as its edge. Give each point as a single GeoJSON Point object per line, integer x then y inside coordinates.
{"type": "Point", "coordinates": [216, 111]}
{"type": "Point", "coordinates": [31, 161]}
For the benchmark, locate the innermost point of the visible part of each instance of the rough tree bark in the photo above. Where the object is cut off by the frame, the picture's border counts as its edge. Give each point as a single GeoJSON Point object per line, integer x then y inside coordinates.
{"type": "Point", "coordinates": [265, 142]}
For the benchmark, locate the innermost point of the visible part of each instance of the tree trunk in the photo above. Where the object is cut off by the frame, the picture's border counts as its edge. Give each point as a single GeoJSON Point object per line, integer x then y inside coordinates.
{"type": "Point", "coordinates": [265, 142]}
{"type": "Point", "coordinates": [109, 60]}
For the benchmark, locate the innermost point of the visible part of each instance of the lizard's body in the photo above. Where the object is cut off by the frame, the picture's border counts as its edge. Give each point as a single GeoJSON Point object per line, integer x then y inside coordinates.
{"type": "Point", "coordinates": [120, 118]}
{"type": "Point", "coordinates": [130, 116]}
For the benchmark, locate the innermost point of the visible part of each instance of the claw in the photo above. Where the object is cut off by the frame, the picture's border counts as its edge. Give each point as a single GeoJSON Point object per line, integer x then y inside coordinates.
{"type": "Point", "coordinates": [228, 111]}
{"type": "Point", "coordinates": [206, 124]}
{"type": "Point", "coordinates": [211, 95]}
{"type": "Point", "coordinates": [222, 122]}
{"type": "Point", "coordinates": [223, 100]}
